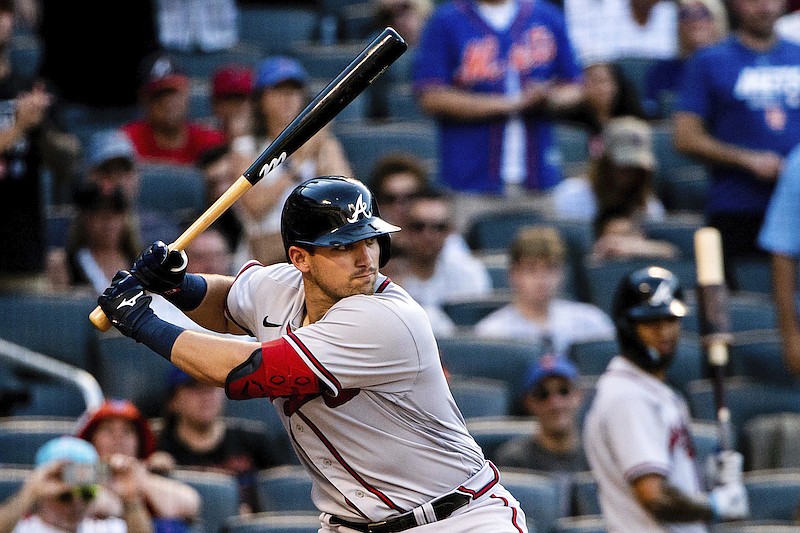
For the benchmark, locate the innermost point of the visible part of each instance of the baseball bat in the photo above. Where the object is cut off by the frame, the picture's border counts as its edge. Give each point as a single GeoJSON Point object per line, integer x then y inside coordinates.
{"type": "Point", "coordinates": [357, 76]}
{"type": "Point", "coordinates": [712, 296]}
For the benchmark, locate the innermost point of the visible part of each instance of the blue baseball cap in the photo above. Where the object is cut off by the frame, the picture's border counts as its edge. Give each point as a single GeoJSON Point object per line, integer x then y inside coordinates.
{"type": "Point", "coordinates": [549, 366]}
{"type": "Point", "coordinates": [280, 69]}
{"type": "Point", "coordinates": [106, 145]}
{"type": "Point", "coordinates": [70, 449]}
{"type": "Point", "coordinates": [176, 378]}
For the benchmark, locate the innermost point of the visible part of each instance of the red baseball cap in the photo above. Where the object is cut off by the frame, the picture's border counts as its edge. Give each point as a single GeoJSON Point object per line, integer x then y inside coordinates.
{"type": "Point", "coordinates": [232, 80]}
{"type": "Point", "coordinates": [126, 410]}
{"type": "Point", "coordinates": [161, 73]}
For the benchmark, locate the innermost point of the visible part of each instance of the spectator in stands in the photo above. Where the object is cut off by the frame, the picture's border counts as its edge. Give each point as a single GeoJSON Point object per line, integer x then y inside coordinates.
{"type": "Point", "coordinates": [280, 93]}
{"type": "Point", "coordinates": [607, 94]}
{"type": "Point", "coordinates": [490, 72]}
{"type": "Point", "coordinates": [30, 143]}
{"type": "Point", "coordinates": [231, 106]}
{"type": "Point", "coordinates": [406, 16]}
{"type": "Point", "coordinates": [537, 313]}
{"type": "Point", "coordinates": [610, 30]}
{"type": "Point", "coordinates": [196, 434]}
{"type": "Point", "coordinates": [779, 238]}
{"type": "Point", "coordinates": [431, 271]}
{"type": "Point", "coordinates": [203, 26]}
{"type": "Point", "coordinates": [102, 240]}
{"type": "Point", "coordinates": [165, 134]}
{"type": "Point", "coordinates": [118, 427]}
{"type": "Point", "coordinates": [395, 179]}
{"type": "Point", "coordinates": [622, 177]}
{"type": "Point", "coordinates": [217, 166]}
{"type": "Point", "coordinates": [56, 496]}
{"type": "Point", "coordinates": [551, 394]}
{"type": "Point", "coordinates": [619, 235]}
{"type": "Point", "coordinates": [737, 112]}
{"type": "Point", "coordinates": [701, 23]}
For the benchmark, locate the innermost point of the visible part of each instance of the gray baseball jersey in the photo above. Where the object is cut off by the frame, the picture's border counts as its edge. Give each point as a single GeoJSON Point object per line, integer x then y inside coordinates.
{"type": "Point", "coordinates": [638, 425]}
{"type": "Point", "coordinates": [385, 436]}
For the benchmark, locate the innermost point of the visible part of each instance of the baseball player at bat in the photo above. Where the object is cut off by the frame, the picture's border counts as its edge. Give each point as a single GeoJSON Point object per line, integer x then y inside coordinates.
{"type": "Point", "coordinates": [637, 431]}
{"type": "Point", "coordinates": [348, 358]}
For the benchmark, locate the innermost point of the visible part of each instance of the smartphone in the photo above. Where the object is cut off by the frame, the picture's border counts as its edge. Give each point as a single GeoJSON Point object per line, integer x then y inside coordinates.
{"type": "Point", "coordinates": [85, 474]}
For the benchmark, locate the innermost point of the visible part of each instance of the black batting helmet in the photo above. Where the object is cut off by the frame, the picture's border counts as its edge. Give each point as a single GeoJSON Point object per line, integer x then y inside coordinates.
{"type": "Point", "coordinates": [333, 211]}
{"type": "Point", "coordinates": [643, 295]}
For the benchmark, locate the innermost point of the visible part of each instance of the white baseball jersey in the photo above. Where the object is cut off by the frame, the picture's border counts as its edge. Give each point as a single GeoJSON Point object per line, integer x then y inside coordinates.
{"type": "Point", "coordinates": [637, 425]}
{"type": "Point", "coordinates": [386, 436]}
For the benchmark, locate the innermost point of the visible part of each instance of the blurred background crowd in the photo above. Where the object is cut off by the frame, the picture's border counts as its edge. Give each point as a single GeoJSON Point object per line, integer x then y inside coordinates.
{"type": "Point", "coordinates": [534, 152]}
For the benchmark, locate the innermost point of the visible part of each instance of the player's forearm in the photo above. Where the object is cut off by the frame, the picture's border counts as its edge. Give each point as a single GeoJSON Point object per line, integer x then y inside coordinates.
{"type": "Point", "coordinates": [693, 140]}
{"type": "Point", "coordinates": [171, 499]}
{"type": "Point", "coordinates": [671, 505]}
{"type": "Point", "coordinates": [14, 508]}
{"type": "Point", "coordinates": [211, 312]}
{"type": "Point", "coordinates": [136, 516]}
{"type": "Point", "coordinates": [457, 104]}
{"type": "Point", "coordinates": [209, 358]}
{"type": "Point", "coordinates": [784, 274]}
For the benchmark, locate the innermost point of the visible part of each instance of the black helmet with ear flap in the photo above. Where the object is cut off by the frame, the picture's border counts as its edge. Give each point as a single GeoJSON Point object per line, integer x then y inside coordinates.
{"type": "Point", "coordinates": [334, 211]}
{"type": "Point", "coordinates": [647, 294]}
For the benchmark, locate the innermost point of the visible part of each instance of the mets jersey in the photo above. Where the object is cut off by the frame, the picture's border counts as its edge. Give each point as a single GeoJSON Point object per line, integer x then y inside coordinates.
{"type": "Point", "coordinates": [637, 425]}
{"type": "Point", "coordinates": [385, 434]}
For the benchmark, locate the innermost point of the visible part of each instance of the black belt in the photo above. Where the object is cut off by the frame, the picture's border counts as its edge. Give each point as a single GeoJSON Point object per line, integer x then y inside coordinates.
{"type": "Point", "coordinates": [442, 508]}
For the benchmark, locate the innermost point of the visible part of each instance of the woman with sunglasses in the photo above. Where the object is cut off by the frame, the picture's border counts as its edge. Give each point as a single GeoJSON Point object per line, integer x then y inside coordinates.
{"type": "Point", "coordinates": [57, 495]}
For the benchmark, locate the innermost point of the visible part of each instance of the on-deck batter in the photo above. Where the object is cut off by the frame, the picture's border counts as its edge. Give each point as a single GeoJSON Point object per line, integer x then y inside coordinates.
{"type": "Point", "coordinates": [348, 357]}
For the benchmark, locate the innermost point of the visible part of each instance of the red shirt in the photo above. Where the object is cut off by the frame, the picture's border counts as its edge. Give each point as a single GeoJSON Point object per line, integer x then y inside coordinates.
{"type": "Point", "coordinates": [199, 138]}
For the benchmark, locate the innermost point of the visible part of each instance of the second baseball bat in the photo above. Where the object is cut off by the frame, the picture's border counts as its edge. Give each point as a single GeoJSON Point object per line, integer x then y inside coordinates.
{"type": "Point", "coordinates": [714, 320]}
{"type": "Point", "coordinates": [351, 82]}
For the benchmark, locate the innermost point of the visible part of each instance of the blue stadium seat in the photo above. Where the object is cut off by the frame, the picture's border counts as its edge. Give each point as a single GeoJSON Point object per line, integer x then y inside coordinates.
{"type": "Point", "coordinates": [770, 441]}
{"type": "Point", "coordinates": [469, 311]}
{"type": "Point", "coordinates": [758, 355]}
{"type": "Point", "coordinates": [494, 231]}
{"type": "Point", "coordinates": [54, 325]}
{"type": "Point", "coordinates": [172, 189]}
{"type": "Point", "coordinates": [581, 524]}
{"type": "Point", "coordinates": [573, 145]}
{"type": "Point", "coordinates": [326, 61]}
{"type": "Point", "coordinates": [276, 29]}
{"type": "Point", "coordinates": [757, 526]}
{"type": "Point", "coordinates": [284, 488]}
{"type": "Point", "coordinates": [201, 65]}
{"type": "Point", "coordinates": [50, 397]}
{"type": "Point", "coordinates": [753, 275]}
{"type": "Point", "coordinates": [477, 397]}
{"type": "Point", "coordinates": [11, 480]}
{"type": "Point", "coordinates": [21, 437]}
{"type": "Point", "coordinates": [219, 494]}
{"type": "Point", "coordinates": [494, 431]}
{"type": "Point", "coordinates": [585, 500]}
{"type": "Point", "coordinates": [774, 494]}
{"type": "Point", "coordinates": [539, 496]}
{"type": "Point", "coordinates": [273, 522]}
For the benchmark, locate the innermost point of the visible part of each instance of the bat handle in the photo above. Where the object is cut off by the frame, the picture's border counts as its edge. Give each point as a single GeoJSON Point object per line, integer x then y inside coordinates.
{"type": "Point", "coordinates": [227, 199]}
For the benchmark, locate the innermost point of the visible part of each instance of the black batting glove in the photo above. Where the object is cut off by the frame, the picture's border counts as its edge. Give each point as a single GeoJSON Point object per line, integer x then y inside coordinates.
{"type": "Point", "coordinates": [126, 304]}
{"type": "Point", "coordinates": [161, 270]}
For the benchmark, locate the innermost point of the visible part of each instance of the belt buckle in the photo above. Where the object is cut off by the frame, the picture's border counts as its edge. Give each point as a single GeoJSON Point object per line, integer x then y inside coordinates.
{"type": "Point", "coordinates": [372, 525]}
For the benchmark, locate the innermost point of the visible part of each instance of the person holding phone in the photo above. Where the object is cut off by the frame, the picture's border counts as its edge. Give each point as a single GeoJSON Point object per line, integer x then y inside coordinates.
{"type": "Point", "coordinates": [67, 478]}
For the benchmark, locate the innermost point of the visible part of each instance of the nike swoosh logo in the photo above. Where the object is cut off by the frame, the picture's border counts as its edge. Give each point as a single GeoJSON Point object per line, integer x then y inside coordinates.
{"type": "Point", "coordinates": [130, 301]}
{"type": "Point", "coordinates": [270, 324]}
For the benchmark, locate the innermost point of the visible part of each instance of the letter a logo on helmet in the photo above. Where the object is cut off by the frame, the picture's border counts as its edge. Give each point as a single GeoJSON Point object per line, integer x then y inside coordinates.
{"type": "Point", "coordinates": [334, 211]}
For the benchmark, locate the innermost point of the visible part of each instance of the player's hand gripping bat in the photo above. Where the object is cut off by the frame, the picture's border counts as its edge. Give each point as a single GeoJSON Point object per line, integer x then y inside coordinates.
{"type": "Point", "coordinates": [713, 312]}
{"type": "Point", "coordinates": [351, 82]}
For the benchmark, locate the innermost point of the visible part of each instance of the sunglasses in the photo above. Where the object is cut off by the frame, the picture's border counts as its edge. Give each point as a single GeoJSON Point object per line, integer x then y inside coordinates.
{"type": "Point", "coordinates": [85, 493]}
{"type": "Point", "coordinates": [419, 226]}
{"type": "Point", "coordinates": [543, 393]}
{"type": "Point", "coordinates": [694, 13]}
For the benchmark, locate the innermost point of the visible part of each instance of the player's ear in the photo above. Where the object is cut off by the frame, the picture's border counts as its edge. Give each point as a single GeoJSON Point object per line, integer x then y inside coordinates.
{"type": "Point", "coordinates": [299, 258]}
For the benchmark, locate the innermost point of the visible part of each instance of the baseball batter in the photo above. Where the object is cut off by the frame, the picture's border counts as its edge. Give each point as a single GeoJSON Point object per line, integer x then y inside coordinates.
{"type": "Point", "coordinates": [637, 433]}
{"type": "Point", "coordinates": [348, 358]}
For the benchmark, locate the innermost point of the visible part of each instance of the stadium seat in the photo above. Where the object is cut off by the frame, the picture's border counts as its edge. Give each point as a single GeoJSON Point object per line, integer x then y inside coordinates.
{"type": "Point", "coordinates": [747, 312]}
{"type": "Point", "coordinates": [273, 522]}
{"type": "Point", "coordinates": [276, 29]}
{"type": "Point", "coordinates": [219, 494]}
{"type": "Point", "coordinates": [585, 500]}
{"type": "Point", "coordinates": [677, 229]}
{"type": "Point", "coordinates": [131, 370]}
{"type": "Point", "coordinates": [753, 275]}
{"type": "Point", "coordinates": [21, 437]}
{"type": "Point", "coordinates": [494, 231]}
{"type": "Point", "coordinates": [200, 65]}
{"type": "Point", "coordinates": [477, 397]}
{"type": "Point", "coordinates": [504, 360]}
{"type": "Point", "coordinates": [745, 398]}
{"type": "Point", "coordinates": [364, 143]}
{"type": "Point", "coordinates": [573, 145]}
{"type": "Point", "coordinates": [705, 439]}
{"type": "Point", "coordinates": [54, 325]}
{"type": "Point", "coordinates": [758, 355]}
{"type": "Point", "coordinates": [538, 495]}
{"type": "Point", "coordinates": [284, 488]}
{"type": "Point", "coordinates": [635, 70]}
{"type": "Point", "coordinates": [11, 480]}
{"type": "Point", "coordinates": [774, 495]}
{"type": "Point", "coordinates": [757, 526]}
{"type": "Point", "coordinates": [770, 441]}
{"type": "Point", "coordinates": [50, 397]}
{"type": "Point", "coordinates": [492, 432]}
{"type": "Point", "coordinates": [469, 311]}
{"type": "Point", "coordinates": [403, 105]}
{"type": "Point", "coordinates": [325, 61]}
{"type": "Point", "coordinates": [173, 189]}
{"type": "Point", "coordinates": [684, 189]}
{"type": "Point", "coordinates": [581, 524]}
